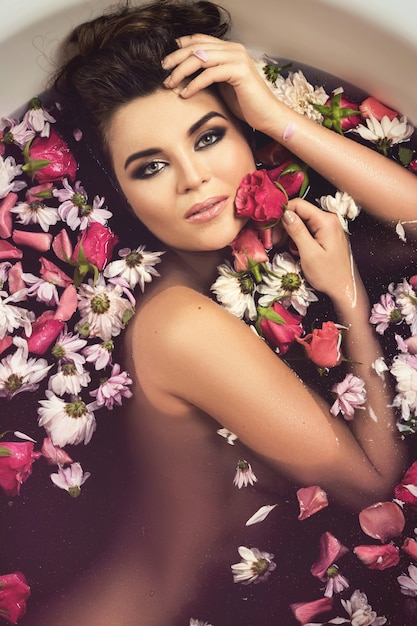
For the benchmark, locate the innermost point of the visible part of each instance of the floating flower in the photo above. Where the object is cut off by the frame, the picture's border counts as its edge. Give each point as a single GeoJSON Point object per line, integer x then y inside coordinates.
{"type": "Point", "coordinates": [360, 612]}
{"type": "Point", "coordinates": [342, 205]}
{"type": "Point", "coordinates": [14, 591]}
{"type": "Point", "coordinates": [339, 113]}
{"type": "Point", "coordinates": [235, 292]}
{"type": "Point", "coordinates": [67, 349]}
{"type": "Point", "coordinates": [19, 373]}
{"type": "Point", "coordinates": [404, 370]}
{"type": "Point", "coordinates": [383, 521]}
{"type": "Point", "coordinates": [49, 159]}
{"type": "Point", "coordinates": [284, 281]}
{"type": "Point", "coordinates": [351, 395]}
{"type": "Point", "coordinates": [103, 309]}
{"type": "Point", "coordinates": [244, 475]}
{"type": "Point", "coordinates": [8, 173]}
{"type": "Point", "coordinates": [198, 622]}
{"type": "Point", "coordinates": [75, 210]}
{"type": "Point", "coordinates": [384, 313]}
{"type": "Point", "coordinates": [71, 479]}
{"type": "Point", "coordinates": [248, 252]}
{"type": "Point", "coordinates": [297, 93]}
{"type": "Point", "coordinates": [378, 557]}
{"type": "Point", "coordinates": [68, 380]}
{"type": "Point", "coordinates": [66, 422]}
{"type": "Point", "coordinates": [37, 118]}
{"type": "Point", "coordinates": [13, 317]}
{"type": "Point", "coordinates": [335, 582]}
{"type": "Point", "coordinates": [279, 326]}
{"type": "Point", "coordinates": [331, 550]}
{"type": "Point", "coordinates": [53, 454]}
{"type": "Point", "coordinates": [136, 266]}
{"type": "Point", "coordinates": [16, 459]}
{"type": "Point", "coordinates": [99, 353]}
{"type": "Point", "coordinates": [255, 566]}
{"type": "Point", "coordinates": [385, 132]}
{"type": "Point", "coordinates": [410, 547]}
{"type": "Point", "coordinates": [408, 584]}
{"type": "Point", "coordinates": [406, 300]}
{"type": "Point", "coordinates": [36, 212]}
{"type": "Point", "coordinates": [322, 346]}
{"type": "Point", "coordinates": [372, 106]}
{"type": "Point", "coordinates": [113, 389]}
{"type": "Point", "coordinates": [311, 500]}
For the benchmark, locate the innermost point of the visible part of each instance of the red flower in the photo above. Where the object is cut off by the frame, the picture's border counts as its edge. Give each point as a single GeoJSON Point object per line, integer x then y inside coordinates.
{"type": "Point", "coordinates": [304, 612]}
{"type": "Point", "coordinates": [412, 166]}
{"type": "Point", "coordinates": [95, 246]}
{"type": "Point", "coordinates": [14, 591]}
{"type": "Point", "coordinates": [378, 557]}
{"type": "Point", "coordinates": [280, 327]}
{"type": "Point", "coordinates": [49, 159]}
{"type": "Point", "coordinates": [248, 250]}
{"type": "Point", "coordinates": [272, 153]}
{"type": "Point", "coordinates": [260, 199]}
{"type": "Point", "coordinates": [406, 490]}
{"type": "Point", "coordinates": [15, 465]}
{"type": "Point", "coordinates": [383, 521]}
{"type": "Point", "coordinates": [322, 346]}
{"type": "Point", "coordinates": [289, 175]}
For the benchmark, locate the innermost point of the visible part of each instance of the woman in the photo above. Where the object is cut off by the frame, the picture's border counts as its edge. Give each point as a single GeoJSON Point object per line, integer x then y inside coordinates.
{"type": "Point", "coordinates": [166, 107]}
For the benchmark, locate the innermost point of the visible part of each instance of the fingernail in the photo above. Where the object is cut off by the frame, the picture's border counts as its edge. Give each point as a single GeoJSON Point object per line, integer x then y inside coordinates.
{"type": "Point", "coordinates": [288, 217]}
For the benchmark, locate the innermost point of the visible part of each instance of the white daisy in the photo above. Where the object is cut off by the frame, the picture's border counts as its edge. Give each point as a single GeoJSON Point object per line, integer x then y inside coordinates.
{"type": "Point", "coordinates": [36, 212]}
{"type": "Point", "coordinates": [404, 370]}
{"type": "Point", "coordinates": [386, 132]}
{"type": "Point", "coordinates": [235, 292]}
{"type": "Point", "coordinates": [43, 290]}
{"type": "Point", "coordinates": [297, 93]}
{"type": "Point", "coordinates": [244, 475]}
{"type": "Point", "coordinates": [66, 422]}
{"type": "Point", "coordinates": [8, 172]}
{"type": "Point", "coordinates": [75, 209]}
{"type": "Point", "coordinates": [5, 268]}
{"type": "Point", "coordinates": [255, 566]}
{"type": "Point", "coordinates": [37, 119]}
{"type": "Point", "coordinates": [13, 317]}
{"type": "Point", "coordinates": [286, 283]}
{"type": "Point", "coordinates": [406, 301]}
{"type": "Point", "coordinates": [360, 612]}
{"type": "Point", "coordinates": [136, 266]}
{"type": "Point", "coordinates": [343, 205]}
{"type": "Point", "coordinates": [18, 132]}
{"type": "Point", "coordinates": [104, 312]}
{"type": "Point", "coordinates": [19, 373]}
{"type": "Point", "coordinates": [113, 389]}
{"type": "Point", "coordinates": [100, 354]}
{"type": "Point", "coordinates": [69, 380]}
{"type": "Point", "coordinates": [408, 584]}
{"type": "Point", "coordinates": [67, 349]}
{"type": "Point", "coordinates": [70, 478]}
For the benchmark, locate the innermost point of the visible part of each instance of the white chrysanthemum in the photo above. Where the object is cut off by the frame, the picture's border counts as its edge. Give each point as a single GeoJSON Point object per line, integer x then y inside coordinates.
{"type": "Point", "coordinates": [70, 478]}
{"type": "Point", "coordinates": [43, 290]}
{"type": "Point", "coordinates": [8, 172]}
{"type": "Point", "coordinates": [286, 283]}
{"type": "Point", "coordinates": [75, 210]}
{"type": "Point", "coordinates": [235, 292]}
{"type": "Point", "coordinates": [254, 567]}
{"type": "Point", "coordinates": [13, 317]}
{"type": "Point", "coordinates": [36, 212]}
{"type": "Point", "coordinates": [68, 380]}
{"type": "Point", "coordinates": [66, 422]}
{"type": "Point", "coordinates": [136, 266]}
{"type": "Point", "coordinates": [38, 119]}
{"type": "Point", "coordinates": [103, 308]}
{"type": "Point", "coordinates": [406, 301]}
{"type": "Point", "coordinates": [404, 370]}
{"type": "Point", "coordinates": [19, 373]}
{"type": "Point", "coordinates": [198, 622]}
{"type": "Point", "coordinates": [297, 93]}
{"type": "Point", "coordinates": [5, 268]}
{"type": "Point", "coordinates": [360, 611]}
{"type": "Point", "coordinates": [386, 132]}
{"type": "Point", "coordinates": [408, 584]}
{"type": "Point", "coordinates": [244, 475]}
{"type": "Point", "coordinates": [67, 349]}
{"type": "Point", "coordinates": [100, 354]}
{"type": "Point", "coordinates": [343, 205]}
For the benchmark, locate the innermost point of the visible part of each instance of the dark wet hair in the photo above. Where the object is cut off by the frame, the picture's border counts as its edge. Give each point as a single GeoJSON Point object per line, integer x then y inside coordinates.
{"type": "Point", "coordinates": [117, 56]}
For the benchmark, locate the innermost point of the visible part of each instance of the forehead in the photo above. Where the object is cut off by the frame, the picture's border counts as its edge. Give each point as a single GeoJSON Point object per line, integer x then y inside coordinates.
{"type": "Point", "coordinates": [153, 120]}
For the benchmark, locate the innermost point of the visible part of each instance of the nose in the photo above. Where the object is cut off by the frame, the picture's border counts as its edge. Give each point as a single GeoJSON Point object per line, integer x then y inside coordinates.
{"type": "Point", "coordinates": [192, 173]}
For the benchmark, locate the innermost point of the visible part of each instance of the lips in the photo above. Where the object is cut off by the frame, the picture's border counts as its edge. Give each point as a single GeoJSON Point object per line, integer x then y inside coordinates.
{"type": "Point", "coordinates": [207, 210]}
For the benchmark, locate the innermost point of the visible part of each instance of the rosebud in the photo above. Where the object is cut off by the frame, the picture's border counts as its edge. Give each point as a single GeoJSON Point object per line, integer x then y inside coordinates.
{"type": "Point", "coordinates": [49, 159]}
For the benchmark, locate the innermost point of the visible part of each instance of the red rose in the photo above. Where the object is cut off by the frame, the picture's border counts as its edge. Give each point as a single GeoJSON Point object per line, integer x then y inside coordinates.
{"type": "Point", "coordinates": [248, 250]}
{"type": "Point", "coordinates": [15, 465]}
{"type": "Point", "coordinates": [49, 159]}
{"type": "Point", "coordinates": [322, 346]}
{"type": "Point", "coordinates": [95, 246]}
{"type": "Point", "coordinates": [291, 176]}
{"type": "Point", "coordinates": [280, 334]}
{"type": "Point", "coordinates": [260, 199]}
{"type": "Point", "coordinates": [272, 153]}
{"type": "Point", "coordinates": [14, 591]}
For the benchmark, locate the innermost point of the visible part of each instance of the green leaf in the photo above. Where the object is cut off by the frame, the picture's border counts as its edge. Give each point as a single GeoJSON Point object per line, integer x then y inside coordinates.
{"type": "Point", "coordinates": [5, 451]}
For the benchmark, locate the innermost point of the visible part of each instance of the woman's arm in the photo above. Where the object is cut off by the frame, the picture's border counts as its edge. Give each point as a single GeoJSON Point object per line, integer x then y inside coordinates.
{"type": "Point", "coordinates": [378, 184]}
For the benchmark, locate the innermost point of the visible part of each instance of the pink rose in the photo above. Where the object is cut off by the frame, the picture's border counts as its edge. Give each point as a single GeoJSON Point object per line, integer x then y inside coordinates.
{"type": "Point", "coordinates": [322, 346]}
{"type": "Point", "coordinates": [383, 521]}
{"type": "Point", "coordinates": [49, 159]}
{"type": "Point", "coordinates": [14, 591]}
{"type": "Point", "coordinates": [260, 199]}
{"type": "Point", "coordinates": [15, 465]}
{"type": "Point", "coordinates": [39, 192]}
{"type": "Point", "coordinates": [304, 612]}
{"type": "Point", "coordinates": [406, 490]}
{"type": "Point", "coordinates": [95, 246]}
{"type": "Point", "coordinates": [289, 175]}
{"type": "Point", "coordinates": [372, 106]}
{"type": "Point", "coordinates": [280, 327]}
{"type": "Point", "coordinates": [248, 250]}
{"type": "Point", "coordinates": [378, 557]}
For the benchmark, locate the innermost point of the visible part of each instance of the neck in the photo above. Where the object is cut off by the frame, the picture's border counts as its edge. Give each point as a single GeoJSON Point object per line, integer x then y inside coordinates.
{"type": "Point", "coordinates": [202, 265]}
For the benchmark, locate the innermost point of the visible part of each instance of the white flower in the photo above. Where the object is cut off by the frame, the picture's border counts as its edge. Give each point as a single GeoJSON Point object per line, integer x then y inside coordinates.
{"type": "Point", "coordinates": [68, 380]}
{"type": "Point", "coordinates": [70, 478]}
{"type": "Point", "coordinates": [37, 119]}
{"type": "Point", "coordinates": [13, 317]}
{"type": "Point", "coordinates": [244, 475]}
{"type": "Point", "coordinates": [336, 583]}
{"type": "Point", "coordinates": [380, 366]}
{"type": "Point", "coordinates": [19, 132]}
{"type": "Point", "coordinates": [67, 347]}
{"type": "Point", "coordinates": [351, 395]}
{"type": "Point", "coordinates": [384, 313]}
{"type": "Point", "coordinates": [408, 584]}
{"type": "Point", "coordinates": [255, 566]}
{"type": "Point", "coordinates": [100, 354]}
{"type": "Point", "coordinates": [5, 268]}
{"type": "Point", "coordinates": [343, 205]}
{"type": "Point", "coordinates": [386, 132]}
{"type": "Point", "coordinates": [43, 290]}
{"type": "Point", "coordinates": [198, 622]}
{"type": "Point", "coordinates": [103, 309]}
{"type": "Point", "coordinates": [75, 210]}
{"type": "Point", "coordinates": [228, 435]}
{"type": "Point", "coordinates": [360, 612]}
{"type": "Point", "coordinates": [404, 369]}
{"type": "Point", "coordinates": [113, 389]}
{"type": "Point", "coordinates": [8, 172]}
{"type": "Point", "coordinates": [66, 422]}
{"type": "Point", "coordinates": [406, 301]}
{"type": "Point", "coordinates": [286, 284]}
{"type": "Point", "coordinates": [235, 292]}
{"type": "Point", "coordinates": [296, 92]}
{"type": "Point", "coordinates": [19, 373]}
{"type": "Point", "coordinates": [136, 266]}
{"type": "Point", "coordinates": [36, 212]}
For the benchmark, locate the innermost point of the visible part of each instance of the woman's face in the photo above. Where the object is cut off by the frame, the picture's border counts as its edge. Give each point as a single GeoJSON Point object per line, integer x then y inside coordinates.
{"type": "Point", "coordinates": [179, 163]}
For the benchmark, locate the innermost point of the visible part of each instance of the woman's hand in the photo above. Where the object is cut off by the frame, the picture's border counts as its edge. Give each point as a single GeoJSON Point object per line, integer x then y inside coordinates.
{"type": "Point", "coordinates": [228, 64]}
{"type": "Point", "coordinates": [324, 250]}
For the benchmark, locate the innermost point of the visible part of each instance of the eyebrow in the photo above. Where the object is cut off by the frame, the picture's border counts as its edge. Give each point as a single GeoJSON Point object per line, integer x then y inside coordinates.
{"type": "Point", "coordinates": [193, 128]}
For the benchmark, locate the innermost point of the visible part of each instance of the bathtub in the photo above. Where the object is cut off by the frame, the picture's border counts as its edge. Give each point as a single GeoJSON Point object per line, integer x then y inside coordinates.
{"type": "Point", "coordinates": [372, 45]}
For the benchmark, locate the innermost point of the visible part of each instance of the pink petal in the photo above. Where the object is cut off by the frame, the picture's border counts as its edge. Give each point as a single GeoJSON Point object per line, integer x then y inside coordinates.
{"type": "Point", "coordinates": [8, 251]}
{"type": "Point", "coordinates": [6, 220]}
{"type": "Point", "coordinates": [311, 500]}
{"type": "Point", "coordinates": [378, 557]}
{"type": "Point", "coordinates": [330, 551]}
{"type": "Point", "coordinates": [44, 332]}
{"type": "Point", "coordinates": [304, 612]}
{"type": "Point", "coordinates": [67, 304]}
{"type": "Point", "coordinates": [410, 547]}
{"type": "Point", "coordinates": [5, 343]}
{"type": "Point", "coordinates": [383, 521]}
{"type": "Point", "coordinates": [16, 282]}
{"type": "Point", "coordinates": [62, 246]}
{"type": "Point", "coordinates": [372, 106]}
{"type": "Point", "coordinates": [38, 241]}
